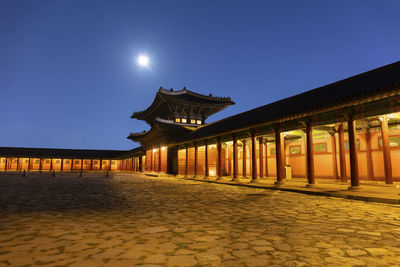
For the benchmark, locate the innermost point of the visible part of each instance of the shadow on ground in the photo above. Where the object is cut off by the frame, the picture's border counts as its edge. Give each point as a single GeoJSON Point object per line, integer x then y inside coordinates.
{"type": "Point", "coordinates": [66, 192]}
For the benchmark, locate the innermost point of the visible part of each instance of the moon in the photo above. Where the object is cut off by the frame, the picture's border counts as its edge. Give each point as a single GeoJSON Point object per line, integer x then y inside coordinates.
{"type": "Point", "coordinates": [143, 61]}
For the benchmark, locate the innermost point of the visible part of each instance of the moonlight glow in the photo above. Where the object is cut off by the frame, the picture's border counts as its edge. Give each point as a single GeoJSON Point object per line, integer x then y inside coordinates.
{"type": "Point", "coordinates": [143, 61]}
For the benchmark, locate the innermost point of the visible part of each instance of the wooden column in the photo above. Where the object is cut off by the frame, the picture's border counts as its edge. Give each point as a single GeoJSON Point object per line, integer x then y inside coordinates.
{"type": "Point", "coordinates": [235, 159]}
{"type": "Point", "coordinates": [261, 149]}
{"type": "Point", "coordinates": [342, 155]}
{"type": "Point", "coordinates": [195, 159]}
{"type": "Point", "coordinates": [187, 161]}
{"type": "Point", "coordinates": [82, 164]}
{"type": "Point", "coordinates": [310, 156]}
{"type": "Point", "coordinates": [62, 165]}
{"type": "Point", "coordinates": [370, 166]}
{"type": "Point", "coordinates": [51, 164]}
{"type": "Point", "coordinates": [110, 165]}
{"type": "Point", "coordinates": [101, 164]}
{"type": "Point", "coordinates": [387, 159]}
{"type": "Point", "coordinates": [5, 166]}
{"type": "Point", "coordinates": [229, 152]}
{"type": "Point", "coordinates": [219, 165]}
{"type": "Point", "coordinates": [72, 165]}
{"type": "Point", "coordinates": [91, 164]}
{"type": "Point", "coordinates": [279, 143]}
{"type": "Point", "coordinates": [133, 165]}
{"type": "Point", "coordinates": [266, 158]}
{"type": "Point", "coordinates": [29, 164]}
{"type": "Point", "coordinates": [151, 160]}
{"type": "Point", "coordinates": [353, 152]}
{"type": "Point", "coordinates": [244, 159]}
{"type": "Point", "coordinates": [253, 157]}
{"type": "Point", "coordinates": [206, 159]}
{"type": "Point", "coordinates": [17, 163]}
{"type": "Point", "coordinates": [40, 164]}
{"type": "Point", "coordinates": [140, 163]}
{"type": "Point", "coordinates": [334, 159]}
{"type": "Point", "coordinates": [159, 158]}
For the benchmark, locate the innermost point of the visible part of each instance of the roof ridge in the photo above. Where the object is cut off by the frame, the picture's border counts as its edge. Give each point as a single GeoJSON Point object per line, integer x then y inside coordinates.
{"type": "Point", "coordinates": [189, 92]}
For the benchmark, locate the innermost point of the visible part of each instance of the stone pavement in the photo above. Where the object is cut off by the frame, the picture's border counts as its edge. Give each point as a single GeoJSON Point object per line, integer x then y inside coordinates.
{"type": "Point", "coordinates": [133, 220]}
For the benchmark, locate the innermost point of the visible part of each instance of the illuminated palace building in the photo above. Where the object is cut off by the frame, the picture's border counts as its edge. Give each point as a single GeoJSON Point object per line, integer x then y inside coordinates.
{"type": "Point", "coordinates": [347, 130]}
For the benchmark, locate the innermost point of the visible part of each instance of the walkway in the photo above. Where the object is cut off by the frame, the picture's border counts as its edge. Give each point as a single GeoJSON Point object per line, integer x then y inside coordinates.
{"type": "Point", "coordinates": [133, 220]}
{"type": "Point", "coordinates": [371, 191]}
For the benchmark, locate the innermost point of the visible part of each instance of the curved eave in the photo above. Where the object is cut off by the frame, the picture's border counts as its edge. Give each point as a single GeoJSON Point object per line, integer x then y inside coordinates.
{"type": "Point", "coordinates": [137, 136]}
{"type": "Point", "coordinates": [217, 103]}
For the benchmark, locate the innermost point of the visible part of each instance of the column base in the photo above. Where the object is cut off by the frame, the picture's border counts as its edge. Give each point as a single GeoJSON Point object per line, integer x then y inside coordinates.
{"type": "Point", "coordinates": [311, 185]}
{"type": "Point", "coordinates": [218, 179]}
{"type": "Point", "coordinates": [389, 185]}
{"type": "Point", "coordinates": [279, 183]}
{"type": "Point", "coordinates": [235, 180]}
{"type": "Point", "coordinates": [354, 188]}
{"type": "Point", "coordinates": [254, 181]}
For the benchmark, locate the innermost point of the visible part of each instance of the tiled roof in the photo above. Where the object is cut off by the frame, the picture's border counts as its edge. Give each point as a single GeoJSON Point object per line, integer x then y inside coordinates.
{"type": "Point", "coordinates": [183, 96]}
{"type": "Point", "coordinates": [363, 86]}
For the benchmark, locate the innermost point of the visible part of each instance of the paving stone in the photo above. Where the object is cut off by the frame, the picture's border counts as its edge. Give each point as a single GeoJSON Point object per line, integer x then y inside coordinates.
{"type": "Point", "coordinates": [152, 230]}
{"type": "Point", "coordinates": [156, 258]}
{"type": "Point", "coordinates": [181, 261]}
{"type": "Point", "coordinates": [260, 242]}
{"type": "Point", "coordinates": [378, 251]}
{"type": "Point", "coordinates": [369, 233]}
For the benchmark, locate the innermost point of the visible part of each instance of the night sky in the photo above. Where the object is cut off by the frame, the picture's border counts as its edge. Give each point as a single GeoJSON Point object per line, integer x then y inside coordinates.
{"type": "Point", "coordinates": [69, 77]}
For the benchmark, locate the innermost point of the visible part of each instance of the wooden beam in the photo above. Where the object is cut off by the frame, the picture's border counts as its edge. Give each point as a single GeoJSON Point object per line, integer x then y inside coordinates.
{"type": "Point", "coordinates": [235, 159]}
{"type": "Point", "coordinates": [244, 158]}
{"type": "Point", "coordinates": [279, 157]}
{"type": "Point", "coordinates": [266, 159]}
{"type": "Point", "coordinates": [310, 156]}
{"type": "Point", "coordinates": [253, 157]}
{"type": "Point", "coordinates": [187, 161]}
{"type": "Point", "coordinates": [370, 166]}
{"type": "Point", "coordinates": [387, 159]}
{"type": "Point", "coordinates": [342, 155]}
{"type": "Point", "coordinates": [206, 160]}
{"type": "Point", "coordinates": [334, 159]}
{"type": "Point", "coordinates": [353, 153]}
{"type": "Point", "coordinates": [195, 159]}
{"type": "Point", "coordinates": [261, 156]}
{"type": "Point", "coordinates": [159, 158]}
{"type": "Point", "coordinates": [151, 160]}
{"type": "Point", "coordinates": [219, 155]}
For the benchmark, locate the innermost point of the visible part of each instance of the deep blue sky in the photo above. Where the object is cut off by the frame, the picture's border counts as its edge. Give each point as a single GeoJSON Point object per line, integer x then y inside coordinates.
{"type": "Point", "coordinates": [68, 76]}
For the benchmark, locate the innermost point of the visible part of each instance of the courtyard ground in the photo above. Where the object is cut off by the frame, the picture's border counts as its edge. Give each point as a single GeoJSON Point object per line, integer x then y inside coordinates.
{"type": "Point", "coordinates": [133, 220]}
